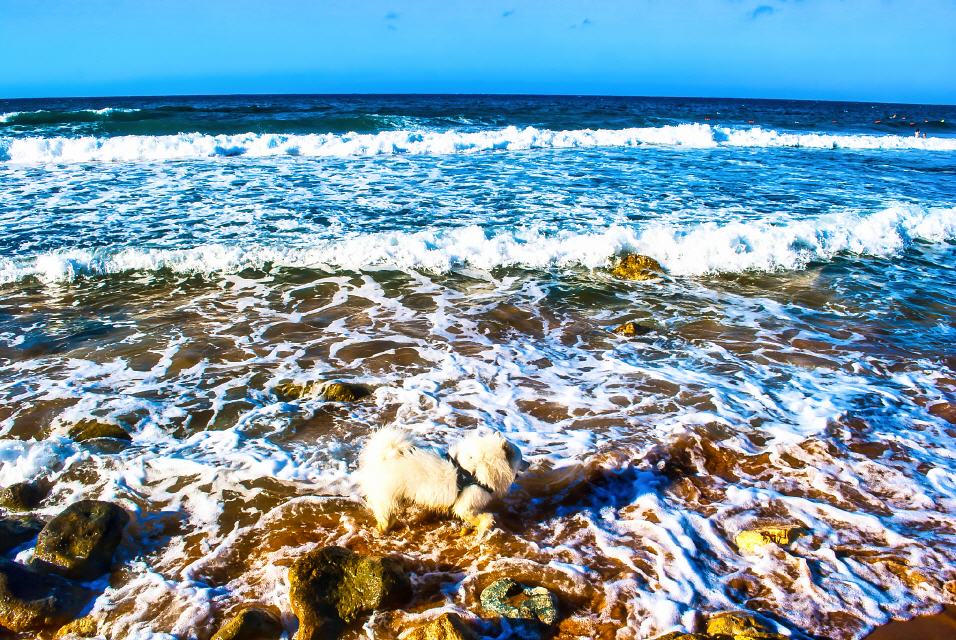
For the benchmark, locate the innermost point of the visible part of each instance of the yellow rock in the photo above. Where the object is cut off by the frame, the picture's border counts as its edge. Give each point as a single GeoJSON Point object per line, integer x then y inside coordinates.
{"type": "Point", "coordinates": [448, 626]}
{"type": "Point", "coordinates": [292, 391]}
{"type": "Point", "coordinates": [634, 266]}
{"type": "Point", "coordinates": [92, 429]}
{"type": "Point", "coordinates": [329, 391]}
{"type": "Point", "coordinates": [250, 623]}
{"type": "Point", "coordinates": [631, 329]}
{"type": "Point", "coordinates": [739, 625]}
{"type": "Point", "coordinates": [342, 392]}
{"type": "Point", "coordinates": [749, 540]}
{"type": "Point", "coordinates": [80, 628]}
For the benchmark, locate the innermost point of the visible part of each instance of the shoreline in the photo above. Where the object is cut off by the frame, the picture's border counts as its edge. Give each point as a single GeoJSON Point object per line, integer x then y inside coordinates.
{"type": "Point", "coordinates": [937, 626]}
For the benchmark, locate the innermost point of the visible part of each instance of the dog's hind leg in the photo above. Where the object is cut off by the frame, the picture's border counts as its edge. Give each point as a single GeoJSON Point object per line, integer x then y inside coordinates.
{"type": "Point", "coordinates": [384, 516]}
{"type": "Point", "coordinates": [384, 522]}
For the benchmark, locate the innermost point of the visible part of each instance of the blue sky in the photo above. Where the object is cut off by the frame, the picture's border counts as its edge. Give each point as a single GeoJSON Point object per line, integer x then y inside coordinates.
{"type": "Point", "coordinates": [889, 50]}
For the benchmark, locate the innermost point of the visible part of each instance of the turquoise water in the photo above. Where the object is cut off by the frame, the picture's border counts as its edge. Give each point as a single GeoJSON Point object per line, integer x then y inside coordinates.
{"type": "Point", "coordinates": [165, 263]}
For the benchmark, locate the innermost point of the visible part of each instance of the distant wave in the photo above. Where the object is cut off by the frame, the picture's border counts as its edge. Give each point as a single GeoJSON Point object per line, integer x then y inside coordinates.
{"type": "Point", "coordinates": [36, 150]}
{"type": "Point", "coordinates": [53, 116]}
{"type": "Point", "coordinates": [694, 250]}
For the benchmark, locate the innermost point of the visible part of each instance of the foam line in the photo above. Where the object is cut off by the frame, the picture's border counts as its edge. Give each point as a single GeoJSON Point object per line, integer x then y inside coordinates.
{"type": "Point", "coordinates": [39, 150]}
{"type": "Point", "coordinates": [684, 251]}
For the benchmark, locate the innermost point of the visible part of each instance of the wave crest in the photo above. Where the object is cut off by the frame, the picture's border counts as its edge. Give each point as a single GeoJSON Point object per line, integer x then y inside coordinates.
{"type": "Point", "coordinates": [696, 250]}
{"type": "Point", "coordinates": [55, 116]}
{"type": "Point", "coordinates": [184, 146]}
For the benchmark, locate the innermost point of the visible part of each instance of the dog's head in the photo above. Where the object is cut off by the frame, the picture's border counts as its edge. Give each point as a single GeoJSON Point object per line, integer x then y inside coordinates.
{"type": "Point", "coordinates": [492, 458]}
{"type": "Point", "coordinates": [513, 455]}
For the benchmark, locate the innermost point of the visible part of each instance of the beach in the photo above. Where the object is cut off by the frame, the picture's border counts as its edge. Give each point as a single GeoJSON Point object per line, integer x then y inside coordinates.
{"type": "Point", "coordinates": [760, 420]}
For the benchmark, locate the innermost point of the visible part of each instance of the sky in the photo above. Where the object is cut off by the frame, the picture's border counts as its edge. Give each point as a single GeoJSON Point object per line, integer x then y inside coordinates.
{"type": "Point", "coordinates": [867, 50]}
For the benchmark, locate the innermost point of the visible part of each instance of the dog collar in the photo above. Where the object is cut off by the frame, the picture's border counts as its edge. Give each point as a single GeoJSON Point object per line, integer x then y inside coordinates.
{"type": "Point", "coordinates": [466, 478]}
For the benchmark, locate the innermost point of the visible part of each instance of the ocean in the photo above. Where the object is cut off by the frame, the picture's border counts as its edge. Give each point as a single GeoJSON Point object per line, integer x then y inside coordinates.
{"type": "Point", "coordinates": [166, 264]}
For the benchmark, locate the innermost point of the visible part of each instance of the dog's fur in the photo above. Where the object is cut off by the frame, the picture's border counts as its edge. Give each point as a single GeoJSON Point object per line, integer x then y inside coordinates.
{"type": "Point", "coordinates": [394, 470]}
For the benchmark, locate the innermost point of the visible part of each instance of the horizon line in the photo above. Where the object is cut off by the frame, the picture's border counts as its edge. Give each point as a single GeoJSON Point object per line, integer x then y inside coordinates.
{"type": "Point", "coordinates": [466, 94]}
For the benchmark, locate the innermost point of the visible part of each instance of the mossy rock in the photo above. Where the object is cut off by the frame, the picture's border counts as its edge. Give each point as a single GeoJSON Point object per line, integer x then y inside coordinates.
{"type": "Point", "coordinates": [334, 584]}
{"type": "Point", "coordinates": [448, 626]}
{"type": "Point", "coordinates": [289, 391]}
{"type": "Point", "coordinates": [93, 429]}
{"type": "Point", "coordinates": [84, 627]}
{"type": "Point", "coordinates": [631, 329]}
{"type": "Point", "coordinates": [740, 625]}
{"type": "Point", "coordinates": [15, 530]}
{"type": "Point", "coordinates": [328, 391]}
{"type": "Point", "coordinates": [634, 266]}
{"type": "Point", "coordinates": [79, 542]}
{"type": "Point", "coordinates": [32, 601]}
{"type": "Point", "coordinates": [250, 623]}
{"type": "Point", "coordinates": [343, 392]}
{"type": "Point", "coordinates": [750, 540]}
{"type": "Point", "coordinates": [510, 599]}
{"type": "Point", "coordinates": [21, 496]}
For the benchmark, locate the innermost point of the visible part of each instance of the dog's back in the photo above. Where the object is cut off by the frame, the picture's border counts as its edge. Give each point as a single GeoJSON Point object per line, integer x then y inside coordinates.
{"type": "Point", "coordinates": [393, 469]}
{"type": "Point", "coordinates": [386, 444]}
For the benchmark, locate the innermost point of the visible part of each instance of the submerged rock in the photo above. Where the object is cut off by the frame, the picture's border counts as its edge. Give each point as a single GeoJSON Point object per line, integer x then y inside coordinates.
{"type": "Point", "coordinates": [79, 542]}
{"type": "Point", "coordinates": [733, 625]}
{"type": "Point", "coordinates": [511, 599]}
{"type": "Point", "coordinates": [343, 392]}
{"type": "Point", "coordinates": [634, 266]}
{"type": "Point", "coordinates": [21, 496]}
{"type": "Point", "coordinates": [631, 329]}
{"type": "Point", "coordinates": [15, 530]}
{"type": "Point", "coordinates": [740, 625]}
{"type": "Point", "coordinates": [32, 601]}
{"type": "Point", "coordinates": [448, 626]}
{"type": "Point", "coordinates": [328, 391]}
{"type": "Point", "coordinates": [334, 584]}
{"type": "Point", "coordinates": [288, 391]}
{"type": "Point", "coordinates": [750, 540]}
{"type": "Point", "coordinates": [250, 623]}
{"type": "Point", "coordinates": [92, 429]}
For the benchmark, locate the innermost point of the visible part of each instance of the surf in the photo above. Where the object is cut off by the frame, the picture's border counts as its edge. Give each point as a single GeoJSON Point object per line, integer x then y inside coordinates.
{"type": "Point", "coordinates": [197, 146]}
{"type": "Point", "coordinates": [689, 250]}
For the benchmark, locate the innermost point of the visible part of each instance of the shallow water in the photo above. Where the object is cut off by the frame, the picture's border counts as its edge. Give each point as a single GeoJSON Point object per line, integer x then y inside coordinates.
{"type": "Point", "coordinates": [799, 369]}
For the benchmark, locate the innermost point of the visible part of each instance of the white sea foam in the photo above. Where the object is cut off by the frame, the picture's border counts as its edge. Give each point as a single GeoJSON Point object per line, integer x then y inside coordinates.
{"type": "Point", "coordinates": [684, 251]}
{"type": "Point", "coordinates": [684, 562]}
{"type": "Point", "coordinates": [38, 150]}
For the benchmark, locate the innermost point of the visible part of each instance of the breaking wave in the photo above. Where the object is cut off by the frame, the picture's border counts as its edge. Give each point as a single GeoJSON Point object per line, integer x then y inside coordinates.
{"type": "Point", "coordinates": [683, 251]}
{"type": "Point", "coordinates": [38, 150]}
{"type": "Point", "coordinates": [53, 116]}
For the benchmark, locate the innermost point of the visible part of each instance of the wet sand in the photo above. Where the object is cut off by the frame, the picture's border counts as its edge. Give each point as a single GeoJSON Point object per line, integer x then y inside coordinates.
{"type": "Point", "coordinates": [941, 626]}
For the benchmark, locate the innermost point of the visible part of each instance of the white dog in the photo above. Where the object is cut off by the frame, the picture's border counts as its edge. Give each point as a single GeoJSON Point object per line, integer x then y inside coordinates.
{"type": "Point", "coordinates": [395, 470]}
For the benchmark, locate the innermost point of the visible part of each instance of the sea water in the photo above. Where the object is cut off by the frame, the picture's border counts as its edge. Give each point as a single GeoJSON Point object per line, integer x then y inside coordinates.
{"type": "Point", "coordinates": [166, 263]}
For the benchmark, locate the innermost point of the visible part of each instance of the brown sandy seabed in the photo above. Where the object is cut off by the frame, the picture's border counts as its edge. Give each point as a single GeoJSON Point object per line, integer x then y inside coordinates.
{"type": "Point", "coordinates": [179, 576]}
